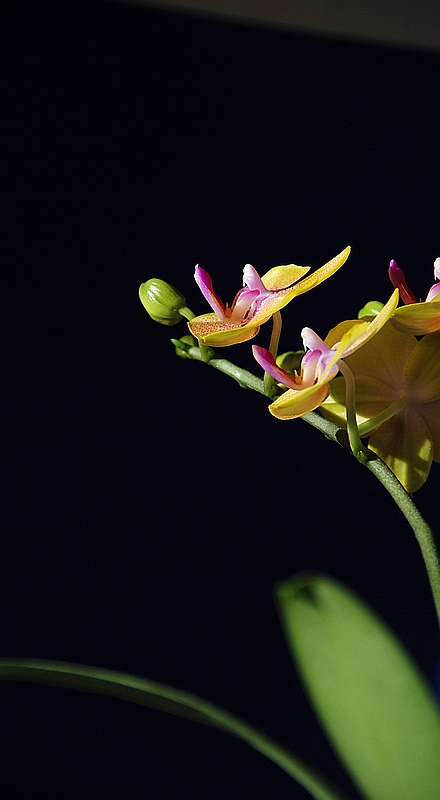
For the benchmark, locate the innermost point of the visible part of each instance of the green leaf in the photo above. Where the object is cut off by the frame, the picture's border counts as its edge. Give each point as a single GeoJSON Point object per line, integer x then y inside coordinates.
{"type": "Point", "coordinates": [158, 695]}
{"type": "Point", "coordinates": [368, 694]}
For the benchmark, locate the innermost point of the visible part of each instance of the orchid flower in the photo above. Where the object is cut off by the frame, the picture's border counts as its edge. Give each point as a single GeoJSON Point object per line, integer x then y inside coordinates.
{"type": "Point", "coordinates": [416, 317]}
{"type": "Point", "coordinates": [258, 300]}
{"type": "Point", "coordinates": [321, 363]}
{"type": "Point", "coordinates": [397, 401]}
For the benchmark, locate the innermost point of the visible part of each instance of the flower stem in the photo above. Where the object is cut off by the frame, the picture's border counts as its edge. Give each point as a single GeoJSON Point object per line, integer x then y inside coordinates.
{"type": "Point", "coordinates": [359, 451]}
{"type": "Point", "coordinates": [423, 533]}
{"type": "Point", "coordinates": [269, 382]}
{"type": "Point", "coordinates": [366, 427]}
{"type": "Point", "coordinates": [370, 460]}
{"type": "Point", "coordinates": [246, 379]}
{"type": "Point", "coordinates": [189, 315]}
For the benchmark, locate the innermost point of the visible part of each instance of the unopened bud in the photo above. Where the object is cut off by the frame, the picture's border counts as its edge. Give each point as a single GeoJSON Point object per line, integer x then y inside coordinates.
{"type": "Point", "coordinates": [370, 309]}
{"type": "Point", "coordinates": [162, 301]}
{"type": "Point", "coordinates": [187, 340]}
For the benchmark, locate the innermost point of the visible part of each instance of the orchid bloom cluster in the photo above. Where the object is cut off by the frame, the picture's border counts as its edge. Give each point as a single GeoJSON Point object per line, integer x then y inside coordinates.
{"type": "Point", "coordinates": [389, 359]}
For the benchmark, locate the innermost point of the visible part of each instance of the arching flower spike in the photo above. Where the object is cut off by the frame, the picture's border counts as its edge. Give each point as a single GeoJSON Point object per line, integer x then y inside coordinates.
{"type": "Point", "coordinates": [414, 317]}
{"type": "Point", "coordinates": [320, 365]}
{"type": "Point", "coordinates": [256, 303]}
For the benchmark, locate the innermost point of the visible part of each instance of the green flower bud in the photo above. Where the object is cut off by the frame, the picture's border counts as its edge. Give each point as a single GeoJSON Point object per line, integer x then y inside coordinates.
{"type": "Point", "coordinates": [290, 361]}
{"type": "Point", "coordinates": [370, 309]}
{"type": "Point", "coordinates": [189, 340]}
{"type": "Point", "coordinates": [162, 301]}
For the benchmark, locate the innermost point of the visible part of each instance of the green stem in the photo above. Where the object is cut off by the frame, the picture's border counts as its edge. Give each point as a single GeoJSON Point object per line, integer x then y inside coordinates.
{"type": "Point", "coordinates": [246, 379]}
{"type": "Point", "coordinates": [187, 313]}
{"type": "Point", "coordinates": [374, 422]}
{"type": "Point", "coordinates": [359, 451]}
{"type": "Point", "coordinates": [370, 460]}
{"type": "Point", "coordinates": [158, 695]}
{"type": "Point", "coordinates": [422, 530]}
{"type": "Point", "coordinates": [205, 351]}
{"type": "Point", "coordinates": [269, 382]}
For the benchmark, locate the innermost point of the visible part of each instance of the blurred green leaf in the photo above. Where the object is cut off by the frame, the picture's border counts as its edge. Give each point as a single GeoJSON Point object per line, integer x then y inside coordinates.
{"type": "Point", "coordinates": [371, 699]}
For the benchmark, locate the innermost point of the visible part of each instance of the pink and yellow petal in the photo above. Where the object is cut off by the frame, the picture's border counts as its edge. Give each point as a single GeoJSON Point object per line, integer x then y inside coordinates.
{"type": "Point", "coordinates": [405, 444]}
{"type": "Point", "coordinates": [294, 403]}
{"type": "Point", "coordinates": [274, 302]}
{"type": "Point", "coordinates": [418, 318]}
{"type": "Point", "coordinates": [212, 331]}
{"type": "Point", "coordinates": [266, 360]}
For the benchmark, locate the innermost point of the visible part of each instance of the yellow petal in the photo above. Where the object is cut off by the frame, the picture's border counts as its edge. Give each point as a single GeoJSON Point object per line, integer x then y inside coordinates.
{"type": "Point", "coordinates": [212, 331]}
{"type": "Point", "coordinates": [323, 272]}
{"type": "Point", "coordinates": [334, 410]}
{"type": "Point", "coordinates": [294, 403]}
{"type": "Point", "coordinates": [431, 414]}
{"type": "Point", "coordinates": [384, 357]}
{"type": "Point", "coordinates": [405, 444]}
{"type": "Point", "coordinates": [284, 276]}
{"type": "Point", "coordinates": [372, 397]}
{"type": "Point", "coordinates": [355, 334]}
{"type": "Point", "coordinates": [370, 329]}
{"type": "Point", "coordinates": [335, 335]}
{"type": "Point", "coordinates": [418, 318]}
{"type": "Point", "coordinates": [274, 303]}
{"type": "Point", "coordinates": [422, 371]}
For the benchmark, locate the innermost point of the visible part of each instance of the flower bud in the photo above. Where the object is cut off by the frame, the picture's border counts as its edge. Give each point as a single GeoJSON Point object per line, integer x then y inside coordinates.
{"type": "Point", "coordinates": [370, 309]}
{"type": "Point", "coordinates": [189, 340]}
{"type": "Point", "coordinates": [162, 301]}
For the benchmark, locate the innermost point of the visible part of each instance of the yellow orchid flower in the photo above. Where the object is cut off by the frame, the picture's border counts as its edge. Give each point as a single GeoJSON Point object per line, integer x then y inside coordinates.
{"type": "Point", "coordinates": [256, 303]}
{"type": "Point", "coordinates": [414, 317]}
{"type": "Point", "coordinates": [321, 363]}
{"type": "Point", "coordinates": [397, 401]}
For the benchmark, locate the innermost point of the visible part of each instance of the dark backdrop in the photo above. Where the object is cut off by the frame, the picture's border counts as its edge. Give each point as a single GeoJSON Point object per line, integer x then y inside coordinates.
{"type": "Point", "coordinates": [151, 504]}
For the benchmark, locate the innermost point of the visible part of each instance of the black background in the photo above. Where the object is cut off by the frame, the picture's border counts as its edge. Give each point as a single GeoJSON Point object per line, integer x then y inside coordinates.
{"type": "Point", "coordinates": [151, 504]}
